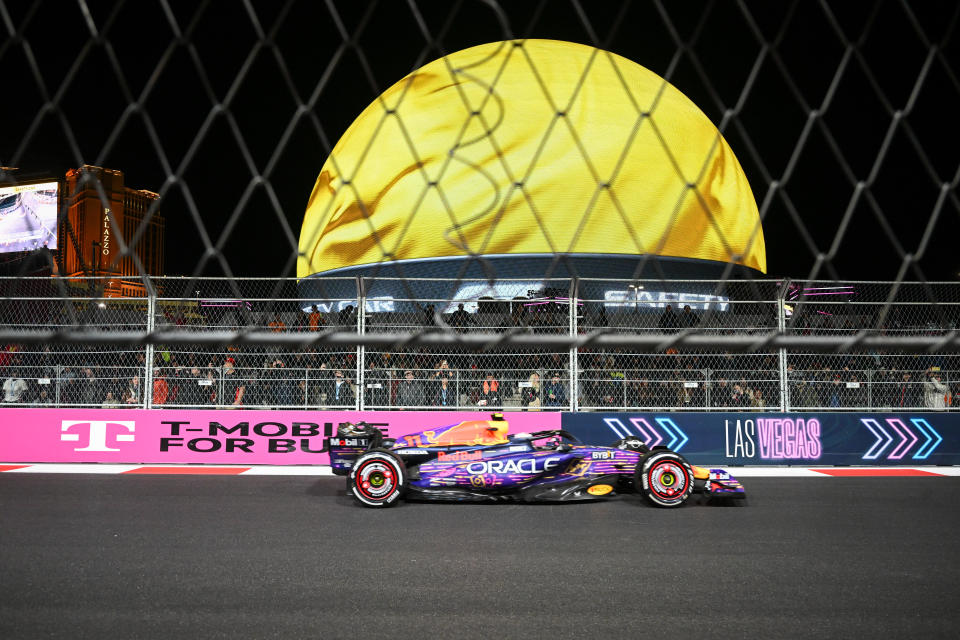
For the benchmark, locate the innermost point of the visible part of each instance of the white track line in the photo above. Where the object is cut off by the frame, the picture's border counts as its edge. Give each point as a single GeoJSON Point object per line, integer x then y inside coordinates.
{"type": "Point", "coordinates": [73, 468]}
{"type": "Point", "coordinates": [772, 472]}
{"type": "Point", "coordinates": [300, 470]}
{"type": "Point", "coordinates": [289, 471]}
{"type": "Point", "coordinates": [947, 471]}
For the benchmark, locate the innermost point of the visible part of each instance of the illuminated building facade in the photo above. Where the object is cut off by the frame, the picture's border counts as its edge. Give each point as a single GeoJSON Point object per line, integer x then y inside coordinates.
{"type": "Point", "coordinates": [96, 221]}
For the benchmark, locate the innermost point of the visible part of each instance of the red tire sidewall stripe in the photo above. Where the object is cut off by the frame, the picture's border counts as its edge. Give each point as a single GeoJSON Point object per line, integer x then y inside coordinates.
{"type": "Point", "coordinates": [673, 463]}
{"type": "Point", "coordinates": [357, 479]}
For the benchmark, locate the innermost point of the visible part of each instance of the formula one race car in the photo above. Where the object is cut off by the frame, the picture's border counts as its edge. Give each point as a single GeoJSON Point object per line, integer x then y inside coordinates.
{"type": "Point", "coordinates": [478, 461]}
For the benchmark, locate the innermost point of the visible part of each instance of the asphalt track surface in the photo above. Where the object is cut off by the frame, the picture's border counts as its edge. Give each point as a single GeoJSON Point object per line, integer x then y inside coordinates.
{"type": "Point", "coordinates": [292, 557]}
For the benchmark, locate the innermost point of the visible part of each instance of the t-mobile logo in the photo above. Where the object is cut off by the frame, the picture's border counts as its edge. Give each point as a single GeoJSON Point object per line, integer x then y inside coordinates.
{"type": "Point", "coordinates": [97, 433]}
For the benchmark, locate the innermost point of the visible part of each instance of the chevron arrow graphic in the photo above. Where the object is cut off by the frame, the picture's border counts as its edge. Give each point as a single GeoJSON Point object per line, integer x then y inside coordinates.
{"type": "Point", "coordinates": [904, 432]}
{"type": "Point", "coordinates": [924, 427]}
{"type": "Point", "coordinates": [639, 424]}
{"type": "Point", "coordinates": [669, 426]}
{"type": "Point", "coordinates": [880, 434]}
{"type": "Point", "coordinates": [613, 423]}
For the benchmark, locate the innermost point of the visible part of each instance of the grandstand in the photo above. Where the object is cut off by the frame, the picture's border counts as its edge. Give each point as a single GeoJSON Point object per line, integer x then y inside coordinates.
{"type": "Point", "coordinates": [554, 352]}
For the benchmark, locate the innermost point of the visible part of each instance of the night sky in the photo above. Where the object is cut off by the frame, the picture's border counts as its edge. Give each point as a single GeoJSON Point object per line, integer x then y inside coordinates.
{"type": "Point", "coordinates": [177, 62]}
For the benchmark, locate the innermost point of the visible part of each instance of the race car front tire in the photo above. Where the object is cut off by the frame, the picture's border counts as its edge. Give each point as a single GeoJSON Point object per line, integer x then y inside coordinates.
{"type": "Point", "coordinates": [664, 478]}
{"type": "Point", "coordinates": [377, 479]}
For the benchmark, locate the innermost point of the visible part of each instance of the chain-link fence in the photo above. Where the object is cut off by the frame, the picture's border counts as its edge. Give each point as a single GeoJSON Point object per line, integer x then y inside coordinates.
{"type": "Point", "coordinates": [835, 122]}
{"type": "Point", "coordinates": [292, 362]}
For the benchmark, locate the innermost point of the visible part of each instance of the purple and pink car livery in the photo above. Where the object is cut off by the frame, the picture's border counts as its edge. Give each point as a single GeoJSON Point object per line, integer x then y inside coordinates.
{"type": "Point", "coordinates": [479, 461]}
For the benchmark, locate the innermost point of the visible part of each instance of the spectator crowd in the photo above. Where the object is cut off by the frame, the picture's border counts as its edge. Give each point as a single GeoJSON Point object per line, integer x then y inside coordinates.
{"type": "Point", "coordinates": [531, 380]}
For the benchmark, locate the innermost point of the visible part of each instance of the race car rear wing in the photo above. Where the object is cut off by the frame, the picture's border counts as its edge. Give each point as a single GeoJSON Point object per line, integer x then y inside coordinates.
{"type": "Point", "coordinates": [351, 440]}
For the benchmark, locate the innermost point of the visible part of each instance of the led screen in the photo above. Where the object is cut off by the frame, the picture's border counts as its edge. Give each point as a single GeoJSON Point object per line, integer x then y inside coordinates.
{"type": "Point", "coordinates": [522, 151]}
{"type": "Point", "coordinates": [28, 217]}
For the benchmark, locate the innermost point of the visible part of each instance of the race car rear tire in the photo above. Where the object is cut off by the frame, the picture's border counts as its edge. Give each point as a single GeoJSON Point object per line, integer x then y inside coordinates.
{"type": "Point", "coordinates": [377, 479]}
{"type": "Point", "coordinates": [664, 478]}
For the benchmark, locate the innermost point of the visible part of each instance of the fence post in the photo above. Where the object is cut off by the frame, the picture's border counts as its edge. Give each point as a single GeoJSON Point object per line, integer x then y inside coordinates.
{"type": "Point", "coordinates": [56, 392]}
{"type": "Point", "coordinates": [708, 388]}
{"type": "Point", "coordinates": [219, 402]}
{"type": "Point", "coordinates": [360, 400]}
{"type": "Point", "coordinates": [624, 385]}
{"type": "Point", "coordinates": [148, 374]}
{"type": "Point", "coordinates": [782, 353]}
{"type": "Point", "coordinates": [573, 378]}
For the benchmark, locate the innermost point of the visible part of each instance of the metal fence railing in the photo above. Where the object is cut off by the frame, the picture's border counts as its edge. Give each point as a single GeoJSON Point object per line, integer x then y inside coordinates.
{"type": "Point", "coordinates": [254, 349]}
{"type": "Point", "coordinates": [279, 387]}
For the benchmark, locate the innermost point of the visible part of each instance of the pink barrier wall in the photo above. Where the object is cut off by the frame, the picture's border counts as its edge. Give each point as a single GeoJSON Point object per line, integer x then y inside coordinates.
{"type": "Point", "coordinates": [215, 437]}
